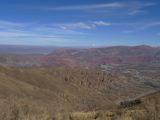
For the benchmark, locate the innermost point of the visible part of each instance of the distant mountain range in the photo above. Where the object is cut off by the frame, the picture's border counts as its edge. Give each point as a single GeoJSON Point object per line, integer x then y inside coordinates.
{"type": "Point", "coordinates": [84, 57]}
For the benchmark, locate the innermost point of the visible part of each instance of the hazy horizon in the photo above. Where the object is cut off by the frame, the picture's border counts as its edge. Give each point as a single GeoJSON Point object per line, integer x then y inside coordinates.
{"type": "Point", "coordinates": [81, 46]}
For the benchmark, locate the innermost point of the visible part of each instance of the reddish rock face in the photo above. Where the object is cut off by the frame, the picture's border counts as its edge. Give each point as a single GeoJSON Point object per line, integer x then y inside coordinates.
{"type": "Point", "coordinates": [109, 55]}
{"type": "Point", "coordinates": [90, 57]}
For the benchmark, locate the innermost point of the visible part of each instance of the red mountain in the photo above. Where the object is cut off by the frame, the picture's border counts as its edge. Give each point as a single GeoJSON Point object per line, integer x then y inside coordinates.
{"type": "Point", "coordinates": [107, 55]}
{"type": "Point", "coordinates": [87, 57]}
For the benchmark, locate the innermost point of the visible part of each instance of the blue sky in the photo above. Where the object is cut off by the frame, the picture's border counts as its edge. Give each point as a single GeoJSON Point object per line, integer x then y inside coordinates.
{"type": "Point", "coordinates": [80, 22]}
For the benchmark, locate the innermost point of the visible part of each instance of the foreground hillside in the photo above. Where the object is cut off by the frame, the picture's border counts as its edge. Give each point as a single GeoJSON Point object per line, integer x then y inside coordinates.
{"type": "Point", "coordinates": [149, 109]}
{"type": "Point", "coordinates": [77, 93]}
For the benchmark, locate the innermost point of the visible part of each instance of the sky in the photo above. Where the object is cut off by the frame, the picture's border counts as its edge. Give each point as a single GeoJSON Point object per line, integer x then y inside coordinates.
{"type": "Point", "coordinates": [80, 22]}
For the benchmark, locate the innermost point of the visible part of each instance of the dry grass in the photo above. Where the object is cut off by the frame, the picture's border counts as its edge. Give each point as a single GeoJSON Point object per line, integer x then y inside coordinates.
{"type": "Point", "coordinates": [58, 94]}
